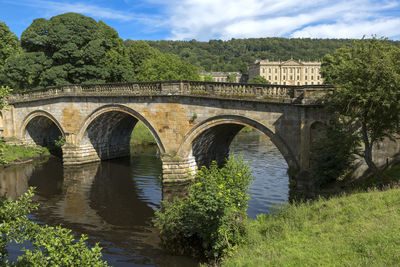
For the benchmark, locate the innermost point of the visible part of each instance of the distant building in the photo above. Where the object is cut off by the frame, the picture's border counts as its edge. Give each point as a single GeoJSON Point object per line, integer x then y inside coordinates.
{"type": "Point", "coordinates": [291, 72]}
{"type": "Point", "coordinates": [222, 76]}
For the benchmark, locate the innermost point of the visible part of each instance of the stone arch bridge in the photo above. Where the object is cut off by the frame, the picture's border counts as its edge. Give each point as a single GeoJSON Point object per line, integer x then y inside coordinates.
{"type": "Point", "coordinates": [193, 123]}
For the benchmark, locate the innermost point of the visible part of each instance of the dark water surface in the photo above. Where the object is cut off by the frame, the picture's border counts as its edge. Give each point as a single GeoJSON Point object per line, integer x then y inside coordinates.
{"type": "Point", "coordinates": [114, 201]}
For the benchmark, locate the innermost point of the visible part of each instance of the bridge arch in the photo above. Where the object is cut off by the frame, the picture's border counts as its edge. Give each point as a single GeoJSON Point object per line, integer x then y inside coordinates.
{"type": "Point", "coordinates": [210, 140]}
{"type": "Point", "coordinates": [41, 128]}
{"type": "Point", "coordinates": [108, 129]}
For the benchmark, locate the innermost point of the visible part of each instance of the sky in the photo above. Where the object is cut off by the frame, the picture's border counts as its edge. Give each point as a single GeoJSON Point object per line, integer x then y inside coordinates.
{"type": "Point", "coordinates": [220, 19]}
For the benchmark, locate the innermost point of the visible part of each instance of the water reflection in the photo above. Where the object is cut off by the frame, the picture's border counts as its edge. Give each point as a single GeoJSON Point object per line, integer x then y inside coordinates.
{"type": "Point", "coordinates": [14, 180]}
{"type": "Point", "coordinates": [111, 201]}
{"type": "Point", "coordinates": [114, 201]}
{"type": "Point", "coordinates": [271, 184]}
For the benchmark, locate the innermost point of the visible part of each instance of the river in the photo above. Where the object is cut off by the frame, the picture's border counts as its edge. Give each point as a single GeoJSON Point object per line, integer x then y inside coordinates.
{"type": "Point", "coordinates": [114, 201]}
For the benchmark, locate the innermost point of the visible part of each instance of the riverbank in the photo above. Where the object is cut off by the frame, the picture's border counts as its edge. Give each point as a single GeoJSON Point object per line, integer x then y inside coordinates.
{"type": "Point", "coordinates": [361, 229]}
{"type": "Point", "coordinates": [141, 135]}
{"type": "Point", "coordinates": [13, 154]}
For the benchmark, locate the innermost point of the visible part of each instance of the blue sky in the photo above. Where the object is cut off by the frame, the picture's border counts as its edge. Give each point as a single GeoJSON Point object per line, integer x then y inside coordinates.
{"type": "Point", "coordinates": [220, 19]}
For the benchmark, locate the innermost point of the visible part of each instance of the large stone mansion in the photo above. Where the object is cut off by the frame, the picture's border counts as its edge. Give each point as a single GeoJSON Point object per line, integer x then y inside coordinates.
{"type": "Point", "coordinates": [291, 72]}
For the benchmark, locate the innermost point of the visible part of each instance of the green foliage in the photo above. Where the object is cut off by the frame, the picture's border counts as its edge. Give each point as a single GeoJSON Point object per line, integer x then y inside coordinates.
{"type": "Point", "coordinates": [68, 48]}
{"type": "Point", "coordinates": [366, 76]}
{"type": "Point", "coordinates": [355, 230]}
{"type": "Point", "coordinates": [52, 246]}
{"type": "Point", "coordinates": [208, 78]}
{"type": "Point", "coordinates": [209, 222]}
{"type": "Point", "coordinates": [9, 46]}
{"type": "Point", "coordinates": [166, 67]}
{"type": "Point", "coordinates": [150, 64]}
{"type": "Point", "coordinates": [60, 141]}
{"type": "Point", "coordinates": [4, 92]}
{"type": "Point", "coordinates": [13, 153]}
{"type": "Point", "coordinates": [333, 154]}
{"type": "Point", "coordinates": [258, 80]}
{"type": "Point", "coordinates": [231, 78]}
{"type": "Point", "coordinates": [141, 135]}
{"type": "Point", "coordinates": [235, 54]}
{"type": "Point", "coordinates": [140, 51]}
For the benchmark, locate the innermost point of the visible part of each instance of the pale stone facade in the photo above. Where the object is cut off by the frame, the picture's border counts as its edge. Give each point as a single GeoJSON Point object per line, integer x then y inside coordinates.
{"type": "Point", "coordinates": [291, 72]}
{"type": "Point", "coordinates": [222, 76]}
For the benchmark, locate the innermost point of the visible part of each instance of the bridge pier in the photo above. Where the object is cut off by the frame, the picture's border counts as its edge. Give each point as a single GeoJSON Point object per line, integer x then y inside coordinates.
{"type": "Point", "coordinates": [177, 169]}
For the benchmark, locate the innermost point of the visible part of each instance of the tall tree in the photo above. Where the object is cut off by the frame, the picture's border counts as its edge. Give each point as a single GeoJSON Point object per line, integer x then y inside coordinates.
{"type": "Point", "coordinates": [69, 48]}
{"type": "Point", "coordinates": [9, 46]}
{"type": "Point", "coordinates": [166, 67]}
{"type": "Point", "coordinates": [366, 76]}
{"type": "Point", "coordinates": [140, 51]}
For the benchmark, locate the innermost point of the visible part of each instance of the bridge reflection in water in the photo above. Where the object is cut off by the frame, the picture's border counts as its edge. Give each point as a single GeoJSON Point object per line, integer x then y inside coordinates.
{"type": "Point", "coordinates": [113, 201]}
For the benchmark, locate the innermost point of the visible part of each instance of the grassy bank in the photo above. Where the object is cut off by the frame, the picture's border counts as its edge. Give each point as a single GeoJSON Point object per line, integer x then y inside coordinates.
{"type": "Point", "coordinates": [141, 135]}
{"type": "Point", "coordinates": [361, 229]}
{"type": "Point", "coordinates": [13, 154]}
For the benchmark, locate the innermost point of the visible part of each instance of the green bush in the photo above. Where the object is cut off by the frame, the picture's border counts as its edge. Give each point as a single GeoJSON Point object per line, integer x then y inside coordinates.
{"type": "Point", "coordinates": [53, 246]}
{"type": "Point", "coordinates": [209, 223]}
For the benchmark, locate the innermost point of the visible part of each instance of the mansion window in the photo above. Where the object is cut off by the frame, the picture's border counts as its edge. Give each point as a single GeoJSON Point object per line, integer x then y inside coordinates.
{"type": "Point", "coordinates": [312, 77]}
{"type": "Point", "coordinates": [298, 77]}
{"type": "Point", "coordinates": [276, 77]}
{"type": "Point", "coordinates": [269, 77]}
{"type": "Point", "coordinates": [291, 77]}
{"type": "Point", "coordinates": [284, 77]}
{"type": "Point", "coordinates": [305, 77]}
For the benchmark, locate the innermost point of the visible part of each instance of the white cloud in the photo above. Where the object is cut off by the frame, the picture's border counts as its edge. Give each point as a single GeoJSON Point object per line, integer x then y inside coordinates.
{"type": "Point", "coordinates": [214, 19]}
{"type": "Point", "coordinates": [57, 7]}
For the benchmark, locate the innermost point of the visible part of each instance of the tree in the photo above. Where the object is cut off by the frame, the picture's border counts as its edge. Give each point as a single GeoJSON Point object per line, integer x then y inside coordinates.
{"type": "Point", "coordinates": [140, 51]}
{"type": "Point", "coordinates": [49, 246]}
{"type": "Point", "coordinates": [259, 80]}
{"type": "Point", "coordinates": [208, 78]}
{"type": "Point", "coordinates": [9, 46]}
{"type": "Point", "coordinates": [366, 77]}
{"type": "Point", "coordinates": [231, 78]}
{"type": "Point", "coordinates": [69, 48]}
{"type": "Point", "coordinates": [166, 67]}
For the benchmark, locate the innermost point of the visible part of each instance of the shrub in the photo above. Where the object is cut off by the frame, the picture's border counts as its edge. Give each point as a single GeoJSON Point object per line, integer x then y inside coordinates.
{"type": "Point", "coordinates": [53, 246]}
{"type": "Point", "coordinates": [209, 223]}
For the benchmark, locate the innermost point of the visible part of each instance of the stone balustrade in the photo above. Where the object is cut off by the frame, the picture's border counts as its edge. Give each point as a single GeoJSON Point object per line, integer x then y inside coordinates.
{"type": "Point", "coordinates": [260, 92]}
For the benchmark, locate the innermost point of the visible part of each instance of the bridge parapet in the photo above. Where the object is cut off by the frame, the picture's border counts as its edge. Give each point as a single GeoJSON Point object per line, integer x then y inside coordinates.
{"type": "Point", "coordinates": [258, 92]}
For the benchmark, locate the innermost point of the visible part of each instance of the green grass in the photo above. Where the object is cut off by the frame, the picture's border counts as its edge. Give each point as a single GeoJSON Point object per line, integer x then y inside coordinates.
{"type": "Point", "coordinates": [362, 229]}
{"type": "Point", "coordinates": [362, 184]}
{"type": "Point", "coordinates": [141, 135]}
{"type": "Point", "coordinates": [13, 153]}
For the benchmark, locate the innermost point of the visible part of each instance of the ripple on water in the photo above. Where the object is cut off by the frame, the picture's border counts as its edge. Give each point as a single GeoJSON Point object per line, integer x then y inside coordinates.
{"type": "Point", "coordinates": [271, 183]}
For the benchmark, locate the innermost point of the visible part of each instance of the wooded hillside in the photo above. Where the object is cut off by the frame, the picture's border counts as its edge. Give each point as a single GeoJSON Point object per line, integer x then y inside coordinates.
{"type": "Point", "coordinates": [235, 54]}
